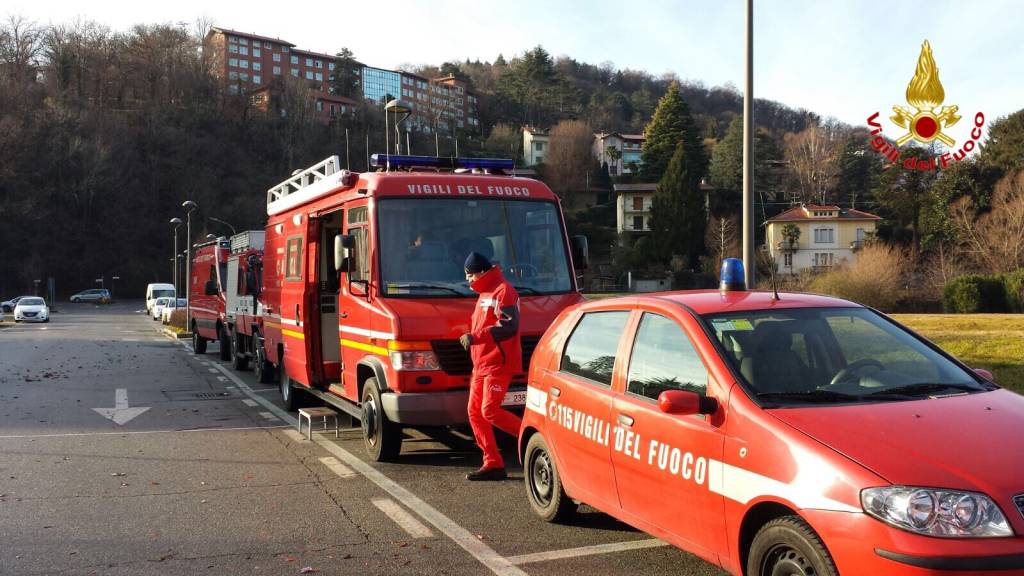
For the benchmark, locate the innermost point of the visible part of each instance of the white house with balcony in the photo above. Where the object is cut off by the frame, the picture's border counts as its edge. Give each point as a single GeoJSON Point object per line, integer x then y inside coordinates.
{"type": "Point", "coordinates": [535, 145]}
{"type": "Point", "coordinates": [633, 208]}
{"type": "Point", "coordinates": [620, 152]}
{"type": "Point", "coordinates": [828, 236]}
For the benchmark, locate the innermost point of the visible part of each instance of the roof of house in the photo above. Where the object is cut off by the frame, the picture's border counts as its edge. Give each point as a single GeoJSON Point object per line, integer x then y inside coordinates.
{"type": "Point", "coordinates": [642, 187]}
{"type": "Point", "coordinates": [803, 213]}
{"type": "Point", "coordinates": [248, 35]}
{"type": "Point", "coordinates": [601, 135]}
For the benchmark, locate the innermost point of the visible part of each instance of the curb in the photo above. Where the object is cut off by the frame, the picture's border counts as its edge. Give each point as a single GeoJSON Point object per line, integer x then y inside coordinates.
{"type": "Point", "coordinates": [177, 335]}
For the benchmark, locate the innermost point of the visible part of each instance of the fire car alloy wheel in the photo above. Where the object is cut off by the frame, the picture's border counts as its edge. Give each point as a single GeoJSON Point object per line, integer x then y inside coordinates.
{"type": "Point", "coordinates": [543, 485]}
{"type": "Point", "coordinates": [788, 546]}
{"type": "Point", "coordinates": [382, 438]}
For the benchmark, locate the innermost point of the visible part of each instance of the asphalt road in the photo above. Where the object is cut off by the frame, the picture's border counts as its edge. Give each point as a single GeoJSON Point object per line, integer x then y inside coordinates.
{"type": "Point", "coordinates": [123, 453]}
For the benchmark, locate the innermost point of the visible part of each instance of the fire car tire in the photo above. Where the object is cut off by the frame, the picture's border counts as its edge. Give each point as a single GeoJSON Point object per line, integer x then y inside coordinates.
{"type": "Point", "coordinates": [263, 368]}
{"type": "Point", "coordinates": [239, 360]}
{"type": "Point", "coordinates": [225, 343]}
{"type": "Point", "coordinates": [288, 394]}
{"type": "Point", "coordinates": [198, 342]}
{"type": "Point", "coordinates": [382, 437]}
{"type": "Point", "coordinates": [543, 485]}
{"type": "Point", "coordinates": [788, 546]}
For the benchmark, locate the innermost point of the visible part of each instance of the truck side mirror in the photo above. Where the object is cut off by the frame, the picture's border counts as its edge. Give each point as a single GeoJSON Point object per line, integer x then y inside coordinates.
{"type": "Point", "coordinates": [580, 252]}
{"type": "Point", "coordinates": [211, 288]}
{"type": "Point", "coordinates": [343, 244]}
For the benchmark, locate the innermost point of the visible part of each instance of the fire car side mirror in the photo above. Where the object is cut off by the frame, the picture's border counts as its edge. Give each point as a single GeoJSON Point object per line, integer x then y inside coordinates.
{"type": "Point", "coordinates": [985, 374]}
{"type": "Point", "coordinates": [580, 252]}
{"type": "Point", "coordinates": [684, 403]}
{"type": "Point", "coordinates": [210, 288]}
{"type": "Point", "coordinates": [343, 243]}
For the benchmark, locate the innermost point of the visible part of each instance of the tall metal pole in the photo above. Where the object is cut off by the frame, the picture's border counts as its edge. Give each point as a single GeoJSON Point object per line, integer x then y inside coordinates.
{"type": "Point", "coordinates": [749, 260]}
{"type": "Point", "coordinates": [177, 224]}
{"type": "Point", "coordinates": [189, 206]}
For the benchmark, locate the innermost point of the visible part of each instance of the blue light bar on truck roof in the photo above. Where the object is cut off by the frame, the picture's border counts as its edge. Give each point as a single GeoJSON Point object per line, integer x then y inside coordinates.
{"type": "Point", "coordinates": [447, 162]}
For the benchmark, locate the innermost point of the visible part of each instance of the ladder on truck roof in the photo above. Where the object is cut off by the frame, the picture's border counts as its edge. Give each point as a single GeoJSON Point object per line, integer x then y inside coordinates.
{"type": "Point", "coordinates": [246, 240]}
{"type": "Point", "coordinates": [309, 184]}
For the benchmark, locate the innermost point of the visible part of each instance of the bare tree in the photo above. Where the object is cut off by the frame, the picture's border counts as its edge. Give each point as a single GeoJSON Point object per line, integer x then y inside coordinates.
{"type": "Point", "coordinates": [722, 239]}
{"type": "Point", "coordinates": [21, 44]}
{"type": "Point", "coordinates": [992, 240]}
{"type": "Point", "coordinates": [811, 156]}
{"type": "Point", "coordinates": [568, 162]}
{"type": "Point", "coordinates": [505, 141]}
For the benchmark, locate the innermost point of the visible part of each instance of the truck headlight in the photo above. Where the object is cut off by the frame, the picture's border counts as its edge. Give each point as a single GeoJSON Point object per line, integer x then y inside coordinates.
{"type": "Point", "coordinates": [936, 512]}
{"type": "Point", "coordinates": [414, 360]}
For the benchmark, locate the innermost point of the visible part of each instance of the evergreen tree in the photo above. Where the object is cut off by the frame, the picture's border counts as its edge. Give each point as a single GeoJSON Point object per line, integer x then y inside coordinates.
{"type": "Point", "coordinates": [671, 125]}
{"type": "Point", "coordinates": [345, 80]}
{"type": "Point", "coordinates": [678, 220]}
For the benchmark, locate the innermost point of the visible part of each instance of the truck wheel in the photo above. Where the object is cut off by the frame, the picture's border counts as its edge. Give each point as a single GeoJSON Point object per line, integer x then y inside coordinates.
{"type": "Point", "coordinates": [291, 392]}
{"type": "Point", "coordinates": [239, 360]}
{"type": "Point", "coordinates": [198, 342]}
{"type": "Point", "coordinates": [382, 437]}
{"type": "Point", "coordinates": [543, 484]}
{"type": "Point", "coordinates": [261, 366]}
{"type": "Point", "coordinates": [225, 343]}
{"type": "Point", "coordinates": [789, 546]}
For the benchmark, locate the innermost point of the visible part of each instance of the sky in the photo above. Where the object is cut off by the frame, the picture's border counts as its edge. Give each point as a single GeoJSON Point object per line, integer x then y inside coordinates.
{"type": "Point", "coordinates": [845, 59]}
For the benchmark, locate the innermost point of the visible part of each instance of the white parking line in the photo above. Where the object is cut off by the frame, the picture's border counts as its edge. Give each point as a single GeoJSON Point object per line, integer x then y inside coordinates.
{"type": "Point", "coordinates": [72, 434]}
{"type": "Point", "coordinates": [338, 468]}
{"type": "Point", "coordinates": [486, 555]}
{"type": "Point", "coordinates": [212, 370]}
{"type": "Point", "coordinates": [585, 551]}
{"type": "Point", "coordinates": [249, 403]}
{"type": "Point", "coordinates": [405, 521]}
{"type": "Point", "coordinates": [268, 416]}
{"type": "Point", "coordinates": [222, 379]}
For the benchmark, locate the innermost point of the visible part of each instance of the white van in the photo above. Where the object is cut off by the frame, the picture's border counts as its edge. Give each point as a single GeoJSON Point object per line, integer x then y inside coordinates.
{"type": "Point", "coordinates": [154, 291]}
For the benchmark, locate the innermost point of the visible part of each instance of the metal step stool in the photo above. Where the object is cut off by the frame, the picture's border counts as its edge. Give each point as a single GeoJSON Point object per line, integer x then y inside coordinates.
{"type": "Point", "coordinates": [318, 412]}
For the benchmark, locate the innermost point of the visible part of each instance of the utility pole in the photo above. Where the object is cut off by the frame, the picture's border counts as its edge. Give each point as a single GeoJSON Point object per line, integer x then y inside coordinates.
{"type": "Point", "coordinates": [749, 260]}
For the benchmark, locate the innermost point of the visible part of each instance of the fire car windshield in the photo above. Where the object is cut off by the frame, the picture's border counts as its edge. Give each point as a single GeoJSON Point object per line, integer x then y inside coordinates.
{"type": "Point", "coordinates": [806, 356]}
{"type": "Point", "coordinates": [424, 244]}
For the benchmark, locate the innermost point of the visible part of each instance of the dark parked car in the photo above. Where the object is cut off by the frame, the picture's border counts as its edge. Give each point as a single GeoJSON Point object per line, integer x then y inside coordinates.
{"type": "Point", "coordinates": [101, 295]}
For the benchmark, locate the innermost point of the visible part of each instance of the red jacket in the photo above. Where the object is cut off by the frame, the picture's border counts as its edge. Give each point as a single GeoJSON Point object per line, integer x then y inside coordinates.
{"type": "Point", "coordinates": [495, 326]}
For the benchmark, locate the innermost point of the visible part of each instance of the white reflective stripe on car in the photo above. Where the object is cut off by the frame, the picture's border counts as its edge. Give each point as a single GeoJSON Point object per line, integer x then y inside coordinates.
{"type": "Point", "coordinates": [536, 400]}
{"type": "Point", "coordinates": [366, 333]}
{"type": "Point", "coordinates": [742, 485]}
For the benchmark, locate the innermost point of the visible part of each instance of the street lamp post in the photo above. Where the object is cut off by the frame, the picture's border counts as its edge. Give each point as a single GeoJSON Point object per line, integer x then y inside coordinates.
{"type": "Point", "coordinates": [219, 221]}
{"type": "Point", "coordinates": [189, 207]}
{"type": "Point", "coordinates": [113, 286]}
{"type": "Point", "coordinates": [177, 224]}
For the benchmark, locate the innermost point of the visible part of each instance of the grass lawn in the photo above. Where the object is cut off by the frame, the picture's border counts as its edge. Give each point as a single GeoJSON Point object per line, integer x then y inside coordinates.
{"type": "Point", "coordinates": [991, 341]}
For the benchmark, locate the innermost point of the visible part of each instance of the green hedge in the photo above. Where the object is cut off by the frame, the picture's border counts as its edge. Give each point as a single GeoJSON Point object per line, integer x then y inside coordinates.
{"type": "Point", "coordinates": [1013, 284]}
{"type": "Point", "coordinates": [973, 293]}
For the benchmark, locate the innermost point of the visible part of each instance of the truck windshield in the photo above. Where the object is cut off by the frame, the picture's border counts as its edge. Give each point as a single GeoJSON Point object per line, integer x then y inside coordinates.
{"type": "Point", "coordinates": [424, 243]}
{"type": "Point", "coordinates": [800, 356]}
{"type": "Point", "coordinates": [162, 293]}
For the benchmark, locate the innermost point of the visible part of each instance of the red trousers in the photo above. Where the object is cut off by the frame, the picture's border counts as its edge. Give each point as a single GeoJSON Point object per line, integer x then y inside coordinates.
{"type": "Point", "coordinates": [485, 411]}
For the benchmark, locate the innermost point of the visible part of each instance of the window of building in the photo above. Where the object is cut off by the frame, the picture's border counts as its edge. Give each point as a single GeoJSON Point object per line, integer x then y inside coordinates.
{"type": "Point", "coordinates": [232, 40]}
{"type": "Point", "coordinates": [293, 259]}
{"type": "Point", "coordinates": [787, 258]}
{"type": "Point", "coordinates": [823, 259]}
{"type": "Point", "coordinates": [267, 45]}
{"type": "Point", "coordinates": [243, 41]}
{"type": "Point", "coordinates": [284, 49]}
{"type": "Point", "coordinates": [256, 79]}
{"type": "Point", "coordinates": [638, 222]}
{"type": "Point", "coordinates": [319, 105]}
{"type": "Point", "coordinates": [295, 59]}
{"type": "Point", "coordinates": [233, 89]}
{"type": "Point", "coordinates": [332, 111]}
{"type": "Point", "coordinates": [295, 72]}
{"type": "Point", "coordinates": [232, 75]}
{"type": "Point", "coordinates": [309, 62]}
{"type": "Point", "coordinates": [330, 65]}
{"type": "Point", "coordinates": [664, 359]}
{"type": "Point", "coordinates": [277, 70]}
{"type": "Point", "coordinates": [233, 49]}
{"type": "Point", "coordinates": [256, 53]}
{"type": "Point", "coordinates": [243, 50]}
{"type": "Point", "coordinates": [243, 63]}
{"type": "Point", "coordinates": [319, 76]}
{"type": "Point", "coordinates": [257, 66]}
{"type": "Point", "coordinates": [638, 202]}
{"type": "Point", "coordinates": [538, 146]}
{"type": "Point", "coordinates": [243, 76]}
{"type": "Point", "coordinates": [824, 235]}
{"type": "Point", "coordinates": [309, 74]}
{"type": "Point", "coordinates": [233, 62]}
{"type": "Point", "coordinates": [319, 63]}
{"type": "Point", "coordinates": [590, 351]}
{"type": "Point", "coordinates": [277, 57]}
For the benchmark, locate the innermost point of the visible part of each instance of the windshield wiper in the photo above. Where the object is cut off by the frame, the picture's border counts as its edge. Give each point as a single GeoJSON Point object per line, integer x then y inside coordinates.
{"type": "Point", "coordinates": [925, 389]}
{"type": "Point", "coordinates": [425, 285]}
{"type": "Point", "coordinates": [521, 289]}
{"type": "Point", "coordinates": [810, 396]}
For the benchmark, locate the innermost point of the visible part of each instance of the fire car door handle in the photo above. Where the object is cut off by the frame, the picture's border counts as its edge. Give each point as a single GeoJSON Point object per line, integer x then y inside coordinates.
{"type": "Point", "coordinates": [555, 391]}
{"type": "Point", "coordinates": [625, 419]}
{"type": "Point", "coordinates": [344, 314]}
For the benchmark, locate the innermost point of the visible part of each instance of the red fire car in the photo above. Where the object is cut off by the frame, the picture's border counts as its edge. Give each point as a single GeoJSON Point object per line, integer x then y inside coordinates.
{"type": "Point", "coordinates": [789, 434]}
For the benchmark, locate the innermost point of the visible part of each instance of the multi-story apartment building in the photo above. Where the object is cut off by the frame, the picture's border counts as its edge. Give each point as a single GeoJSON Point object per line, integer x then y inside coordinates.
{"type": "Point", "coordinates": [250, 64]}
{"type": "Point", "coordinates": [819, 236]}
{"type": "Point", "coordinates": [621, 152]}
{"type": "Point", "coordinates": [633, 207]}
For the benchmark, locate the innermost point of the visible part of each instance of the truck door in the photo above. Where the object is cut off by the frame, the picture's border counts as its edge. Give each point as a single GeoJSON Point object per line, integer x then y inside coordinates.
{"type": "Point", "coordinates": [294, 290]}
{"type": "Point", "coordinates": [330, 225]}
{"type": "Point", "coordinates": [354, 310]}
{"type": "Point", "coordinates": [232, 294]}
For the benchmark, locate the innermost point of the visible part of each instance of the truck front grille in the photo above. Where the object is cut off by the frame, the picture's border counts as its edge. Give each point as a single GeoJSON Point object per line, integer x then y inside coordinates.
{"type": "Point", "coordinates": [455, 361]}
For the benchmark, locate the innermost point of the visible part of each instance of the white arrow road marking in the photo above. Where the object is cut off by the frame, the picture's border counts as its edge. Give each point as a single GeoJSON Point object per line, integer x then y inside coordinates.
{"type": "Point", "coordinates": [120, 414]}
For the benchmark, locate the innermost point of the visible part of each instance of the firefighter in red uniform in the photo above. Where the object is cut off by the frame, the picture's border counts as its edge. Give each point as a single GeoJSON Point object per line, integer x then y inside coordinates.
{"type": "Point", "coordinates": [497, 355]}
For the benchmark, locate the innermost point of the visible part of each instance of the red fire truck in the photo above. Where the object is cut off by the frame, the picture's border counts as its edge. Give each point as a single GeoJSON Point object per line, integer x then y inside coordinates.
{"type": "Point", "coordinates": [365, 296]}
{"type": "Point", "coordinates": [242, 302]}
{"type": "Point", "coordinates": [206, 296]}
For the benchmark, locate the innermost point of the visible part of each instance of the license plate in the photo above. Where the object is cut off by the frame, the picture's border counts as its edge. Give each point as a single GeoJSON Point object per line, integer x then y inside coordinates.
{"type": "Point", "coordinates": [514, 398]}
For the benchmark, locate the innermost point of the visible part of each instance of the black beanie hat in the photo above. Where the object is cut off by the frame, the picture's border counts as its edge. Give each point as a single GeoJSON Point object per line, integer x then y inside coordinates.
{"type": "Point", "coordinates": [477, 263]}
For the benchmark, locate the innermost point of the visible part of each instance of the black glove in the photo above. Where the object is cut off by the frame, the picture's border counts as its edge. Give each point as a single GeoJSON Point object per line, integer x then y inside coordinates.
{"type": "Point", "coordinates": [466, 340]}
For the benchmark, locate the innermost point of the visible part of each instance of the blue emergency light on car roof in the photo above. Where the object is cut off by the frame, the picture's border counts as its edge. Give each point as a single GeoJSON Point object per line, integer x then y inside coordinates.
{"type": "Point", "coordinates": [732, 276]}
{"type": "Point", "coordinates": [447, 162]}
